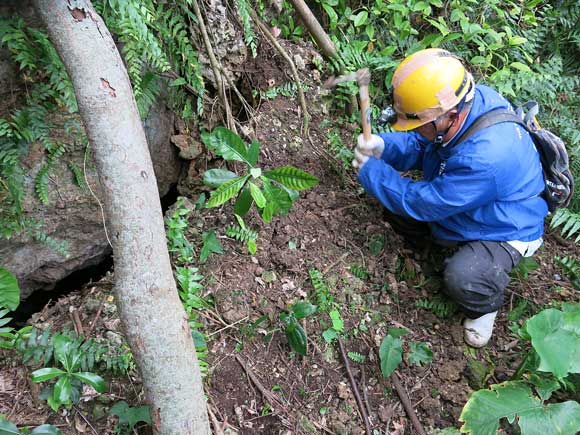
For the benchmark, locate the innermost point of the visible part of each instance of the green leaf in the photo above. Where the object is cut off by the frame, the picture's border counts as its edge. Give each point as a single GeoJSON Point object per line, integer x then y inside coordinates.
{"type": "Point", "coordinates": [376, 245]}
{"type": "Point", "coordinates": [278, 200]}
{"type": "Point", "coordinates": [46, 373]}
{"type": "Point", "coordinates": [244, 202]}
{"type": "Point", "coordinates": [62, 390]}
{"type": "Point", "coordinates": [420, 353]}
{"type": "Point", "coordinates": [9, 290]}
{"type": "Point", "coordinates": [257, 195]}
{"type": "Point", "coordinates": [254, 152]}
{"type": "Point", "coordinates": [555, 336]}
{"type": "Point", "coordinates": [296, 336]}
{"type": "Point", "coordinates": [337, 323]}
{"type": "Point", "coordinates": [64, 352]}
{"type": "Point", "coordinates": [178, 82]}
{"type": "Point", "coordinates": [130, 415]}
{"type": "Point", "coordinates": [226, 191]}
{"type": "Point", "coordinates": [93, 380]}
{"type": "Point", "coordinates": [397, 332]}
{"type": "Point", "coordinates": [210, 244]}
{"type": "Point", "coordinates": [292, 177]}
{"type": "Point", "coordinates": [217, 177]}
{"type": "Point", "coordinates": [45, 429]}
{"type": "Point", "coordinates": [252, 247]}
{"type": "Point", "coordinates": [329, 335]}
{"type": "Point", "coordinates": [520, 66]}
{"type": "Point", "coordinates": [332, 15]}
{"type": "Point", "coordinates": [360, 18]}
{"type": "Point", "coordinates": [391, 355]}
{"type": "Point", "coordinates": [7, 428]}
{"type": "Point", "coordinates": [227, 144]}
{"type": "Point", "coordinates": [255, 172]}
{"type": "Point", "coordinates": [517, 40]}
{"type": "Point", "coordinates": [303, 309]}
{"type": "Point", "coordinates": [485, 408]}
{"type": "Point", "coordinates": [545, 385]}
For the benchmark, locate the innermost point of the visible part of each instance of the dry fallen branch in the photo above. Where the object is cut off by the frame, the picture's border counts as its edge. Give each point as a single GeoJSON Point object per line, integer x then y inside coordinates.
{"type": "Point", "coordinates": [354, 387]}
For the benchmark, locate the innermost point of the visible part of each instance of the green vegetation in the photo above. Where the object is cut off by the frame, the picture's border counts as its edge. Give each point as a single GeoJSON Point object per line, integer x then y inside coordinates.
{"type": "Point", "coordinates": [279, 187]}
{"type": "Point", "coordinates": [548, 367]}
{"type": "Point", "coordinates": [69, 381]}
{"type": "Point", "coordinates": [45, 429]}
{"type": "Point", "coordinates": [293, 330]}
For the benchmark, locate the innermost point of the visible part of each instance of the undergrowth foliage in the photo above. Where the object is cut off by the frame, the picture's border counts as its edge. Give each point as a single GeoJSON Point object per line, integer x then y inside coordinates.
{"type": "Point", "coordinates": [156, 45]}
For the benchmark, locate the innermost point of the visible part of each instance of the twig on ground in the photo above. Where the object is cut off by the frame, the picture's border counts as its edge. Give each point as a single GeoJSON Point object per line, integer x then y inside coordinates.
{"type": "Point", "coordinates": [270, 398]}
{"type": "Point", "coordinates": [218, 429]}
{"type": "Point", "coordinates": [329, 268]}
{"type": "Point", "coordinates": [288, 418]}
{"type": "Point", "coordinates": [403, 397]}
{"type": "Point", "coordinates": [228, 326]}
{"type": "Point", "coordinates": [359, 402]}
{"type": "Point", "coordinates": [76, 319]}
{"type": "Point", "coordinates": [85, 419]}
{"type": "Point", "coordinates": [364, 391]}
{"type": "Point", "coordinates": [407, 404]}
{"type": "Point", "coordinates": [284, 54]}
{"type": "Point", "coordinates": [96, 318]}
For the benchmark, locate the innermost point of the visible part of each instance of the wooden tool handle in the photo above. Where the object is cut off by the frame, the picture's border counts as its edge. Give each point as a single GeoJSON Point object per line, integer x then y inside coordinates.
{"type": "Point", "coordinates": [365, 112]}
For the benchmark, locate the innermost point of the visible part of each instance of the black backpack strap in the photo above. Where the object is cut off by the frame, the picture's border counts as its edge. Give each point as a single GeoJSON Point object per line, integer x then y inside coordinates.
{"type": "Point", "coordinates": [488, 119]}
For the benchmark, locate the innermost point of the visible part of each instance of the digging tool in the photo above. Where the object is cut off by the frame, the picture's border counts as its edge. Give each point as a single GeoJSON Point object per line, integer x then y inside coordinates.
{"type": "Point", "coordinates": [363, 78]}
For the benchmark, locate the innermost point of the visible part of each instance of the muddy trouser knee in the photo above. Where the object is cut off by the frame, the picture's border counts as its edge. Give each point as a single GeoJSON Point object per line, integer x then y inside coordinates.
{"type": "Point", "coordinates": [477, 274]}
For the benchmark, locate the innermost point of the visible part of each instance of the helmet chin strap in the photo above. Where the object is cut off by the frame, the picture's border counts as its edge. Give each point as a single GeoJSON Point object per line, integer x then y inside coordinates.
{"type": "Point", "coordinates": [439, 135]}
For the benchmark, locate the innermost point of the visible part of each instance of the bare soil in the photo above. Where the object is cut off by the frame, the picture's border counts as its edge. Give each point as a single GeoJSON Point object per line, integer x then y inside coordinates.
{"type": "Point", "coordinates": [255, 383]}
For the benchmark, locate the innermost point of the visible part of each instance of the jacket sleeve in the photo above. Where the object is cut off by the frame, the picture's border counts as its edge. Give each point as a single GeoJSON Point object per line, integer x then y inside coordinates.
{"type": "Point", "coordinates": [403, 151]}
{"type": "Point", "coordinates": [464, 186]}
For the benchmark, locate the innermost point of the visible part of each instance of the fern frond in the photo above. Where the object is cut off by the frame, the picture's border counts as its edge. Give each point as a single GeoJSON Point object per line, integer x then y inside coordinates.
{"type": "Point", "coordinates": [148, 94]}
{"type": "Point", "coordinates": [241, 234]}
{"type": "Point", "coordinates": [571, 268]}
{"type": "Point", "coordinates": [359, 271]}
{"type": "Point", "coordinates": [568, 221]}
{"type": "Point", "coordinates": [438, 305]}
{"type": "Point", "coordinates": [78, 175]}
{"type": "Point", "coordinates": [249, 35]}
{"type": "Point", "coordinates": [41, 184]}
{"type": "Point", "coordinates": [61, 247]}
{"type": "Point", "coordinates": [356, 357]}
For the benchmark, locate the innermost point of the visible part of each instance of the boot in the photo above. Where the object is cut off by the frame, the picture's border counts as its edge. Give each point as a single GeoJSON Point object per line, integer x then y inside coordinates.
{"type": "Point", "coordinates": [477, 332]}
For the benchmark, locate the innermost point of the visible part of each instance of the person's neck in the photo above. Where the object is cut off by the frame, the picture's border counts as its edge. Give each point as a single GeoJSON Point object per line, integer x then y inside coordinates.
{"type": "Point", "coordinates": [458, 124]}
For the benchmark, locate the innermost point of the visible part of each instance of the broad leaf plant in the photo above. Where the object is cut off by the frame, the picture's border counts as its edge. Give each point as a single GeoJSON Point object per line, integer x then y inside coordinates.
{"type": "Point", "coordinates": [272, 191]}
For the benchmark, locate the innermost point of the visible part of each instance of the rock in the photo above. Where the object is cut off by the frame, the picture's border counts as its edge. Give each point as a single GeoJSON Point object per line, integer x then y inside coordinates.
{"type": "Point", "coordinates": [73, 215]}
{"type": "Point", "coordinates": [227, 41]}
{"type": "Point", "coordinates": [342, 390]}
{"type": "Point", "coordinates": [159, 129]}
{"type": "Point", "coordinates": [189, 148]}
{"type": "Point", "coordinates": [269, 276]}
{"type": "Point", "coordinates": [299, 62]}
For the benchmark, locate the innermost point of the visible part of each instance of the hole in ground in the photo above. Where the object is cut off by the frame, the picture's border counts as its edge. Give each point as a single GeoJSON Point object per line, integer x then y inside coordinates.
{"type": "Point", "coordinates": [76, 280]}
{"type": "Point", "coordinates": [38, 300]}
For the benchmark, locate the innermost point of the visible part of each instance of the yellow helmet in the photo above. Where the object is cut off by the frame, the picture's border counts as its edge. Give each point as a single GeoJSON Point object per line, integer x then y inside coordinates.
{"type": "Point", "coordinates": [426, 85]}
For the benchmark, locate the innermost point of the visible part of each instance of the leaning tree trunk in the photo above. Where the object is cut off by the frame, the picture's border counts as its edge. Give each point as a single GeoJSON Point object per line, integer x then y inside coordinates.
{"type": "Point", "coordinates": [154, 320]}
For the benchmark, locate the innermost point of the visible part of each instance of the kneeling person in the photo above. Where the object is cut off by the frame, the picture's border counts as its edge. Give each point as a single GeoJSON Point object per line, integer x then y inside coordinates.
{"type": "Point", "coordinates": [483, 194]}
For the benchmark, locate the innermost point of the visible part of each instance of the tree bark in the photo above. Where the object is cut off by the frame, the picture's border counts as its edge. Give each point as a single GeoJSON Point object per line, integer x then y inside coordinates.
{"type": "Point", "coordinates": [155, 322]}
{"type": "Point", "coordinates": [320, 36]}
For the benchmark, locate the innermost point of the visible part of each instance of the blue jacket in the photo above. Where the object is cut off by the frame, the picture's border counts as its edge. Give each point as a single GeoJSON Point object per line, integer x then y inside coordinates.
{"type": "Point", "coordinates": [485, 188]}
